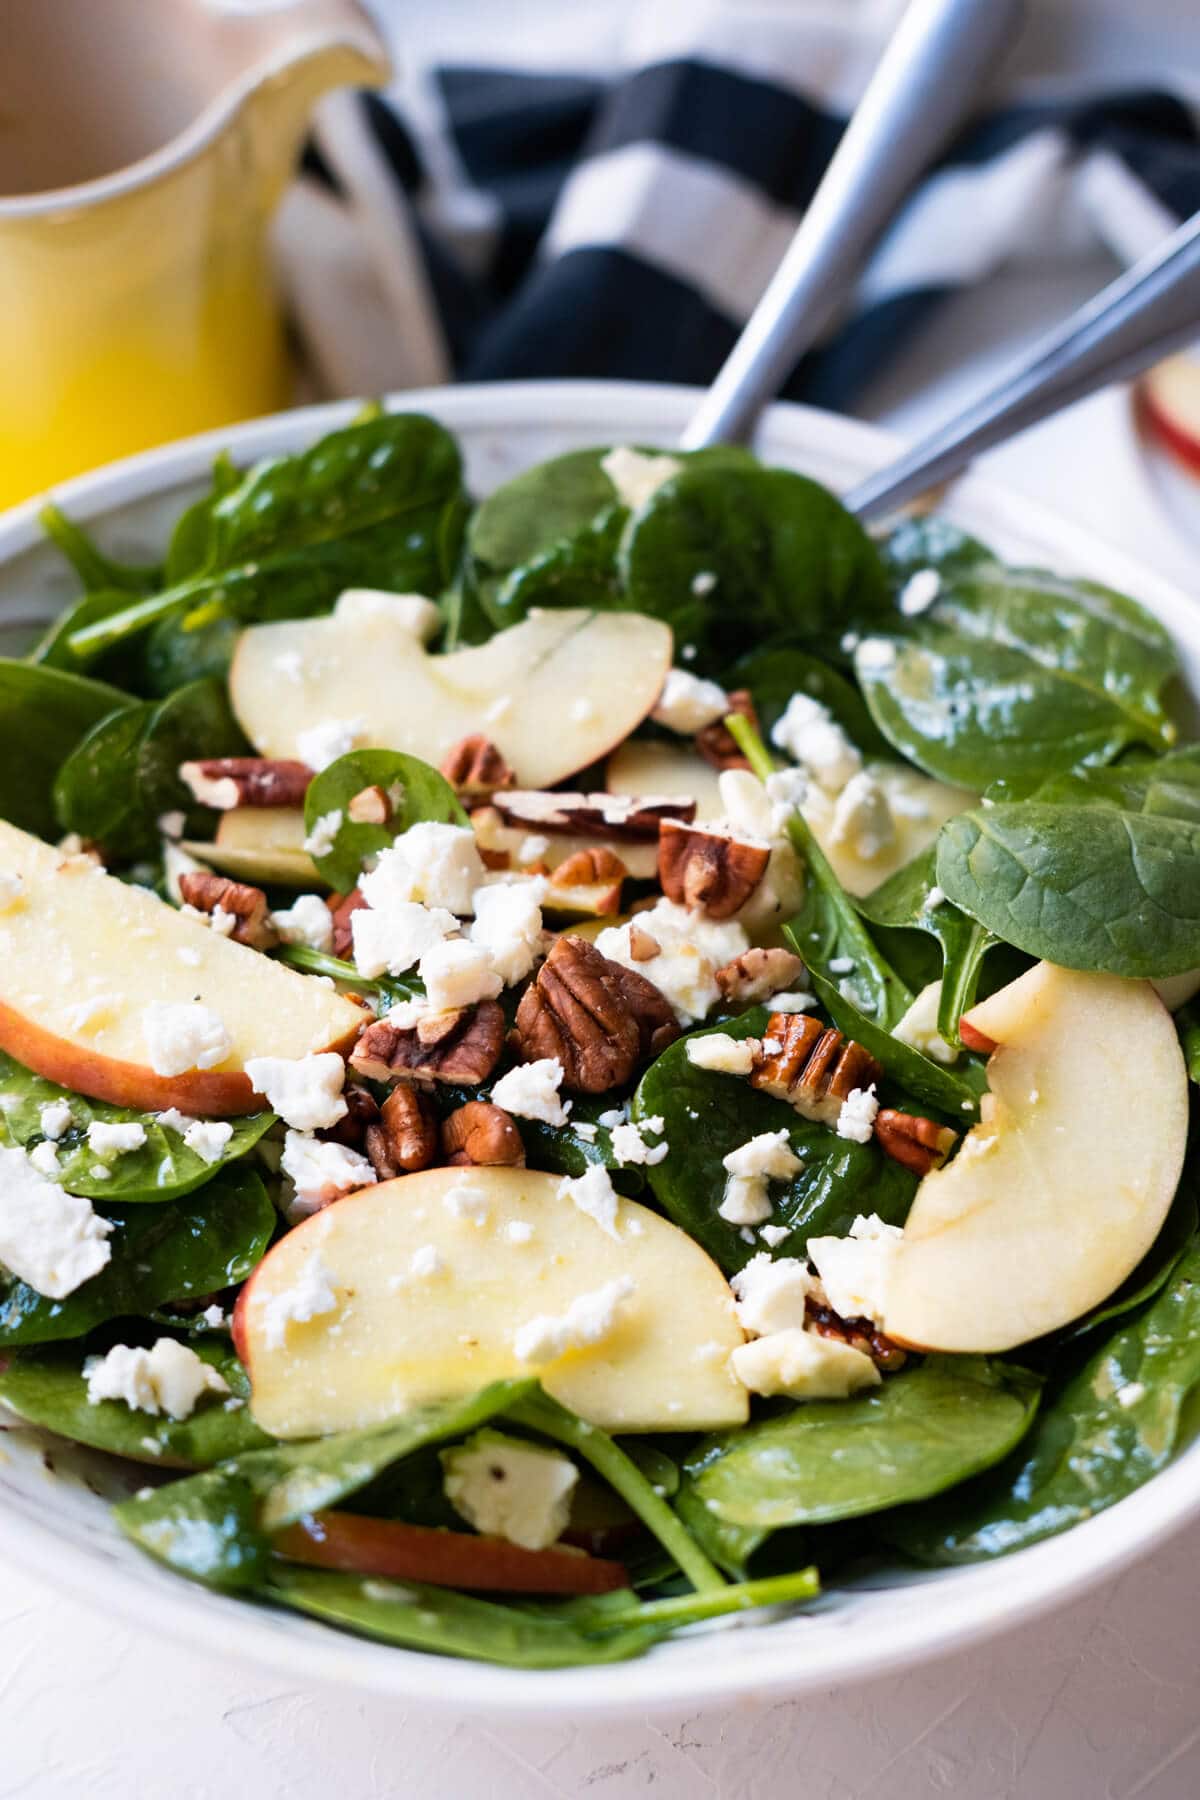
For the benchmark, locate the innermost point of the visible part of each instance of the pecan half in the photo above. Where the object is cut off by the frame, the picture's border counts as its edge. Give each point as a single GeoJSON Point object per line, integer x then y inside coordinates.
{"type": "Point", "coordinates": [860, 1334]}
{"type": "Point", "coordinates": [404, 1138]}
{"type": "Point", "coordinates": [370, 806]}
{"type": "Point", "coordinates": [700, 867]}
{"type": "Point", "coordinates": [601, 1020]}
{"type": "Point", "coordinates": [342, 906]}
{"type": "Point", "coordinates": [482, 1135]}
{"type": "Point", "coordinates": [593, 815]}
{"type": "Point", "coordinates": [589, 881]}
{"type": "Point", "coordinates": [475, 768]}
{"type": "Point", "coordinates": [920, 1144]}
{"type": "Point", "coordinates": [814, 1069]}
{"type": "Point", "coordinates": [758, 973]}
{"type": "Point", "coordinates": [716, 745]}
{"type": "Point", "coordinates": [224, 782]}
{"type": "Point", "coordinates": [461, 1047]}
{"type": "Point", "coordinates": [247, 905]}
{"type": "Point", "coordinates": [362, 1111]}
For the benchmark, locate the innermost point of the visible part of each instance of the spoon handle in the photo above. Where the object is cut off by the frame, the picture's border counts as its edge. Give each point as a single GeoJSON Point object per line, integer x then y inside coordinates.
{"type": "Point", "coordinates": [925, 79]}
{"type": "Point", "coordinates": [1152, 309]}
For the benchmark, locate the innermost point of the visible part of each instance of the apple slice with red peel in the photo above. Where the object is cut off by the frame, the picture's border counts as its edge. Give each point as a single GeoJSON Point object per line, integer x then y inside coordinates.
{"type": "Point", "coordinates": [260, 843]}
{"type": "Point", "coordinates": [553, 694]}
{"type": "Point", "coordinates": [400, 1552]}
{"type": "Point", "coordinates": [495, 1249]}
{"type": "Point", "coordinates": [1169, 406]}
{"type": "Point", "coordinates": [85, 954]}
{"type": "Point", "coordinates": [1055, 1197]}
{"type": "Point", "coordinates": [526, 845]}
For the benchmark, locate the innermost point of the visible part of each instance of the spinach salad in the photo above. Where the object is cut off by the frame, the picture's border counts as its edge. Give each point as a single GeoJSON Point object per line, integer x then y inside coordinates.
{"type": "Point", "coordinates": [580, 1063]}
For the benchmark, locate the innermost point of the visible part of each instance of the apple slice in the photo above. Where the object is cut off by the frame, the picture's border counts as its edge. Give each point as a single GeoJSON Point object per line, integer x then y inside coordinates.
{"type": "Point", "coordinates": [1058, 1194]}
{"type": "Point", "coordinates": [525, 846]}
{"type": "Point", "coordinates": [648, 766]}
{"type": "Point", "coordinates": [553, 694]}
{"type": "Point", "coordinates": [392, 1338]}
{"type": "Point", "coordinates": [919, 807]}
{"type": "Point", "coordinates": [1169, 405]}
{"type": "Point", "coordinates": [81, 956]}
{"type": "Point", "coordinates": [260, 843]}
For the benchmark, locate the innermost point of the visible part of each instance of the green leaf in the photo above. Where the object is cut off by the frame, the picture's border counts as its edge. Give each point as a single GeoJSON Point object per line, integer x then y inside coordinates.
{"type": "Point", "coordinates": [182, 1250]}
{"type": "Point", "coordinates": [44, 713]}
{"type": "Point", "coordinates": [96, 570]}
{"type": "Point", "coordinates": [53, 648]}
{"type": "Point", "coordinates": [777, 671]}
{"type": "Point", "coordinates": [950, 1091]}
{"type": "Point", "coordinates": [706, 1115]}
{"type": "Point", "coordinates": [416, 790]}
{"type": "Point", "coordinates": [902, 903]}
{"type": "Point", "coordinates": [790, 561]}
{"type": "Point", "coordinates": [930, 542]}
{"type": "Point", "coordinates": [576, 571]}
{"type": "Point", "coordinates": [162, 1169]}
{"type": "Point", "coordinates": [1100, 870]}
{"type": "Point", "coordinates": [921, 1431]}
{"type": "Point", "coordinates": [538, 509]}
{"type": "Point", "coordinates": [1187, 1023]}
{"type": "Point", "coordinates": [1103, 1430]}
{"type": "Point", "coordinates": [216, 1527]}
{"type": "Point", "coordinates": [191, 541]}
{"type": "Point", "coordinates": [828, 931]}
{"type": "Point", "coordinates": [47, 1388]}
{"type": "Point", "coordinates": [193, 723]}
{"type": "Point", "coordinates": [196, 645]}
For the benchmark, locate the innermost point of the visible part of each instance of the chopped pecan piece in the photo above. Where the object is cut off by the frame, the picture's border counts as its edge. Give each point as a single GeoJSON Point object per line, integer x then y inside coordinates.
{"type": "Point", "coordinates": [362, 1110]}
{"type": "Point", "coordinates": [246, 905]}
{"type": "Point", "coordinates": [601, 1020]}
{"type": "Point", "coordinates": [715, 743]}
{"type": "Point", "coordinates": [370, 806]}
{"type": "Point", "coordinates": [814, 1068]}
{"type": "Point", "coordinates": [475, 768]}
{"type": "Point", "coordinates": [593, 815]}
{"type": "Point", "coordinates": [342, 906]}
{"type": "Point", "coordinates": [224, 782]}
{"type": "Point", "coordinates": [482, 1135]}
{"type": "Point", "coordinates": [643, 947]}
{"type": "Point", "coordinates": [860, 1334]}
{"type": "Point", "coordinates": [590, 881]}
{"type": "Point", "coordinates": [404, 1138]}
{"type": "Point", "coordinates": [758, 973]}
{"type": "Point", "coordinates": [920, 1144]}
{"type": "Point", "coordinates": [461, 1047]}
{"type": "Point", "coordinates": [700, 867]}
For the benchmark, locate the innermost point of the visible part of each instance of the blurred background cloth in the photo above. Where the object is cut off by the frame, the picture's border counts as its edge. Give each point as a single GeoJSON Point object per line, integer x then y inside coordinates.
{"type": "Point", "coordinates": [573, 188]}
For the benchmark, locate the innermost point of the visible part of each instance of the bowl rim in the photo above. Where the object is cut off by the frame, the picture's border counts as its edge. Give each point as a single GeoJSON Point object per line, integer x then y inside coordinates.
{"type": "Point", "coordinates": [956, 1609]}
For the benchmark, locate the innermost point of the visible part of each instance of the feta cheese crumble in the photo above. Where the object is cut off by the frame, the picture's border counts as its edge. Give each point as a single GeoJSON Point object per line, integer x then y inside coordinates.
{"type": "Point", "coordinates": [435, 863]}
{"type": "Point", "coordinates": [208, 1138]}
{"type": "Point", "coordinates": [856, 1120]}
{"type": "Point", "coordinates": [687, 703]}
{"type": "Point", "coordinates": [306, 1091]}
{"type": "Point", "coordinates": [588, 1320]}
{"type": "Point", "coordinates": [862, 818]}
{"type": "Point", "coordinates": [918, 1028]}
{"type": "Point", "coordinates": [508, 924]}
{"type": "Point", "coordinates": [530, 1091]}
{"type": "Point", "coordinates": [44, 1158]}
{"type": "Point", "coordinates": [321, 1172]}
{"type": "Point", "coordinates": [803, 1365]}
{"type": "Point", "coordinates": [593, 1193]}
{"type": "Point", "coordinates": [636, 476]}
{"type": "Point", "coordinates": [771, 1294]}
{"type": "Point", "coordinates": [306, 921]}
{"type": "Point", "coordinates": [812, 737]}
{"type": "Point", "coordinates": [54, 1119]}
{"type": "Point", "coordinates": [723, 1054]}
{"type": "Point", "coordinates": [855, 1270]}
{"type": "Point", "coordinates": [323, 743]}
{"type": "Point", "coordinates": [311, 1296]}
{"type": "Point", "coordinates": [49, 1238]}
{"type": "Point", "coordinates": [168, 1378]}
{"type": "Point", "coordinates": [463, 1201]}
{"type": "Point", "coordinates": [692, 947]}
{"type": "Point", "coordinates": [507, 1488]}
{"type": "Point", "coordinates": [320, 839]}
{"type": "Point", "coordinates": [919, 592]}
{"type": "Point", "coordinates": [457, 973]}
{"type": "Point", "coordinates": [184, 1035]}
{"type": "Point", "coordinates": [391, 939]}
{"type": "Point", "coordinates": [629, 1146]}
{"type": "Point", "coordinates": [767, 1157]}
{"type": "Point", "coordinates": [426, 1262]}
{"type": "Point", "coordinates": [115, 1139]}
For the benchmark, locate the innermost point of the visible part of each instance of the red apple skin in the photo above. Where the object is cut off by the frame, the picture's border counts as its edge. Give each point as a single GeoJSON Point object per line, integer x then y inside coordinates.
{"type": "Point", "coordinates": [401, 1552]}
{"type": "Point", "coordinates": [203, 1093]}
{"type": "Point", "coordinates": [975, 1040]}
{"type": "Point", "coordinates": [1161, 424]}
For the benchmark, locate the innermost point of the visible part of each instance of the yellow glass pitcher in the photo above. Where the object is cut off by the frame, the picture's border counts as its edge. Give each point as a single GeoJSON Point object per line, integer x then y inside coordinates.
{"type": "Point", "coordinates": [143, 147]}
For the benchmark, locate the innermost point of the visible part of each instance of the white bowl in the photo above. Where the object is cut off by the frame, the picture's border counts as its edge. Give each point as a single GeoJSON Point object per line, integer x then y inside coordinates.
{"type": "Point", "coordinates": [55, 1521]}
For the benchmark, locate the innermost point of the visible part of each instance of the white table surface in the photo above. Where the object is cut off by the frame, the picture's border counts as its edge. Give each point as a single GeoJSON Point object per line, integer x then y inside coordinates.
{"type": "Point", "coordinates": [1095, 1703]}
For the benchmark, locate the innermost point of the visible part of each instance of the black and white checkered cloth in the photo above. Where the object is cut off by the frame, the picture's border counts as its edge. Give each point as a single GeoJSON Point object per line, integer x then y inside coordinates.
{"type": "Point", "coordinates": [524, 223]}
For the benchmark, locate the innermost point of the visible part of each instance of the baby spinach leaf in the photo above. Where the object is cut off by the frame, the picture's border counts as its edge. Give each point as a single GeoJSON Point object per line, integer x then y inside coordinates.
{"type": "Point", "coordinates": [53, 648]}
{"type": "Point", "coordinates": [190, 547]}
{"type": "Point", "coordinates": [162, 1169]}
{"type": "Point", "coordinates": [48, 1388]}
{"type": "Point", "coordinates": [215, 1527]}
{"type": "Point", "coordinates": [788, 558]}
{"type": "Point", "coordinates": [96, 570]}
{"type": "Point", "coordinates": [539, 508]}
{"type": "Point", "coordinates": [930, 542]}
{"type": "Point", "coordinates": [415, 790]}
{"type": "Point", "coordinates": [182, 1250]}
{"type": "Point", "coordinates": [902, 903]}
{"type": "Point", "coordinates": [575, 571]}
{"type": "Point", "coordinates": [1187, 1023]}
{"type": "Point", "coordinates": [967, 710]}
{"type": "Point", "coordinates": [828, 932]}
{"type": "Point", "coordinates": [196, 645]}
{"type": "Point", "coordinates": [928, 1428]}
{"type": "Point", "coordinates": [1099, 870]}
{"type": "Point", "coordinates": [1103, 1430]}
{"type": "Point", "coordinates": [777, 671]}
{"type": "Point", "coordinates": [193, 722]}
{"type": "Point", "coordinates": [44, 713]}
{"type": "Point", "coordinates": [707, 1115]}
{"type": "Point", "coordinates": [952, 1091]}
